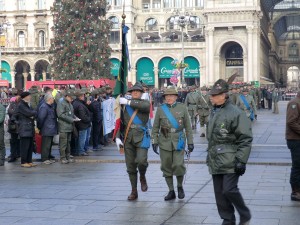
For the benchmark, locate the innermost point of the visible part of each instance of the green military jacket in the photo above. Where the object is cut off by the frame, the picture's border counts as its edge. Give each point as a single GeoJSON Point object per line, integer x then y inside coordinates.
{"type": "Point", "coordinates": [204, 104]}
{"type": "Point", "coordinates": [168, 141]}
{"type": "Point", "coordinates": [35, 99]}
{"type": "Point", "coordinates": [229, 135]}
{"type": "Point", "coordinates": [191, 100]}
{"type": "Point", "coordinates": [233, 97]}
{"type": "Point", "coordinates": [65, 114]}
{"type": "Point", "coordinates": [135, 134]}
{"type": "Point", "coordinates": [275, 96]}
{"type": "Point", "coordinates": [243, 107]}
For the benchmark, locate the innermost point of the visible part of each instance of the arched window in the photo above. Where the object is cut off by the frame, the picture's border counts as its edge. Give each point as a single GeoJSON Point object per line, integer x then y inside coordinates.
{"type": "Point", "coordinates": [21, 39]}
{"type": "Point", "coordinates": [294, 51]}
{"type": "Point", "coordinates": [195, 22]}
{"type": "Point", "coordinates": [114, 22]}
{"type": "Point", "coordinates": [115, 30]}
{"type": "Point", "coordinates": [41, 4]}
{"type": "Point", "coordinates": [151, 24]}
{"type": "Point", "coordinates": [172, 24]}
{"type": "Point", "coordinates": [42, 38]}
{"type": "Point", "coordinates": [234, 52]}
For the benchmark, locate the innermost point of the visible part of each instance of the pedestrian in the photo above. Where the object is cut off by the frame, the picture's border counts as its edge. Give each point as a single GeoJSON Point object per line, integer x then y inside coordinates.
{"type": "Point", "coordinates": [2, 145]}
{"type": "Point", "coordinates": [47, 124]}
{"type": "Point", "coordinates": [82, 112]}
{"type": "Point", "coordinates": [25, 117]}
{"type": "Point", "coordinates": [292, 136]}
{"type": "Point", "coordinates": [275, 98]}
{"type": "Point", "coordinates": [137, 138]}
{"type": "Point", "coordinates": [246, 103]}
{"type": "Point", "coordinates": [13, 127]}
{"type": "Point", "coordinates": [204, 106]}
{"type": "Point", "coordinates": [97, 119]}
{"type": "Point", "coordinates": [229, 137]}
{"type": "Point", "coordinates": [269, 98]}
{"type": "Point", "coordinates": [66, 118]}
{"type": "Point", "coordinates": [191, 102]}
{"type": "Point", "coordinates": [171, 131]}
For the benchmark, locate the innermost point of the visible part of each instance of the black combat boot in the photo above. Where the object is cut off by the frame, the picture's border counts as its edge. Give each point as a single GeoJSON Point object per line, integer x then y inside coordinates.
{"type": "Point", "coordinates": [181, 193]}
{"type": "Point", "coordinates": [202, 135]}
{"type": "Point", "coordinates": [133, 195]}
{"type": "Point", "coordinates": [171, 195]}
{"type": "Point", "coordinates": [144, 185]}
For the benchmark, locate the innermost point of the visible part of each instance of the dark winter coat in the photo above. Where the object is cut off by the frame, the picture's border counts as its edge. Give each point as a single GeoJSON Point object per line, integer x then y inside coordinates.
{"type": "Point", "coordinates": [25, 118]}
{"type": "Point", "coordinates": [83, 113]}
{"type": "Point", "coordinates": [95, 107]}
{"type": "Point", "coordinates": [47, 120]}
{"type": "Point", "coordinates": [229, 135]}
{"type": "Point", "coordinates": [12, 113]}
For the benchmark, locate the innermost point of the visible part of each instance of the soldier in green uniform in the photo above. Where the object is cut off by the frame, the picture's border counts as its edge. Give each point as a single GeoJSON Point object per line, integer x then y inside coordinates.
{"type": "Point", "coordinates": [229, 137]}
{"type": "Point", "coordinates": [191, 102]}
{"type": "Point", "coordinates": [247, 104]}
{"type": "Point", "coordinates": [35, 97]}
{"type": "Point", "coordinates": [204, 106]}
{"type": "Point", "coordinates": [171, 129]}
{"type": "Point", "coordinates": [275, 99]}
{"type": "Point", "coordinates": [234, 94]}
{"type": "Point", "coordinates": [136, 153]}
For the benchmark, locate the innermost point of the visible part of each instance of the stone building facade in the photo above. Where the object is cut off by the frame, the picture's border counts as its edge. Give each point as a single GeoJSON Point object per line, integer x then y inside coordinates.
{"type": "Point", "coordinates": [249, 37]}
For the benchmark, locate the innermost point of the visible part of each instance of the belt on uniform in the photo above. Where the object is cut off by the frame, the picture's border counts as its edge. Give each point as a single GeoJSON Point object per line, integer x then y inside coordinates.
{"type": "Point", "coordinates": [134, 126]}
{"type": "Point", "coordinates": [192, 104]}
{"type": "Point", "coordinates": [170, 130]}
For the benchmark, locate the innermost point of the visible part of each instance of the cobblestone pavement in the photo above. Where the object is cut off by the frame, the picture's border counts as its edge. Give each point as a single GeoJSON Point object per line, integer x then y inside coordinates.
{"type": "Point", "coordinates": [94, 193]}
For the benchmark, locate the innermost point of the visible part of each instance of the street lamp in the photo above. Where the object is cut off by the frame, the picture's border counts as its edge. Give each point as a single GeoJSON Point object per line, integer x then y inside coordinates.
{"type": "Point", "coordinates": [3, 28]}
{"type": "Point", "coordinates": [183, 20]}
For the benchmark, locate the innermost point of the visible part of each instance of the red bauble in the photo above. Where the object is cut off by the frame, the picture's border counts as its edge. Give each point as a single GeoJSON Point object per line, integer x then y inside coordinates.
{"type": "Point", "coordinates": [85, 44]}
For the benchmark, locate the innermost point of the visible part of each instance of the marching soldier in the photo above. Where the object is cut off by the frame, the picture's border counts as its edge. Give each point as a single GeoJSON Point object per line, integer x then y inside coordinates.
{"type": "Point", "coordinates": [137, 139]}
{"type": "Point", "coordinates": [229, 137]}
{"type": "Point", "coordinates": [247, 104]}
{"type": "Point", "coordinates": [191, 102]}
{"type": "Point", "coordinates": [171, 129]}
{"type": "Point", "coordinates": [204, 106]}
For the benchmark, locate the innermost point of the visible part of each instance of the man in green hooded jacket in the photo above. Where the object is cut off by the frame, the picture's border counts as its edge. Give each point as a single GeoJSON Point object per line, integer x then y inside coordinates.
{"type": "Point", "coordinates": [229, 137]}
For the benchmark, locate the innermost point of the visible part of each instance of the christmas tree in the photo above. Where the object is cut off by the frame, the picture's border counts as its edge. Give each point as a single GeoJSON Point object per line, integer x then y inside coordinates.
{"type": "Point", "coordinates": [80, 48]}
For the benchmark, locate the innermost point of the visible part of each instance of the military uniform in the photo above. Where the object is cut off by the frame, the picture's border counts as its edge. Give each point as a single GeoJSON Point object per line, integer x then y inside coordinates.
{"type": "Point", "coordinates": [135, 156]}
{"type": "Point", "coordinates": [204, 106]}
{"type": "Point", "coordinates": [191, 102]}
{"type": "Point", "coordinates": [275, 98]}
{"type": "Point", "coordinates": [229, 137]}
{"type": "Point", "coordinates": [35, 97]}
{"type": "Point", "coordinates": [234, 95]}
{"type": "Point", "coordinates": [167, 137]}
{"type": "Point", "coordinates": [250, 101]}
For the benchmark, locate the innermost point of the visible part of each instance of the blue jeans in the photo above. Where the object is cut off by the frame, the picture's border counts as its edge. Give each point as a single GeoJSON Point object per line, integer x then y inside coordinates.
{"type": "Point", "coordinates": [81, 141]}
{"type": "Point", "coordinates": [87, 140]}
{"type": "Point", "coordinates": [294, 146]}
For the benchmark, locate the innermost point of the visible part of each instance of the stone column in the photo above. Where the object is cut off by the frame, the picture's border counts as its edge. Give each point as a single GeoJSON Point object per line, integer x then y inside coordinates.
{"type": "Point", "coordinates": [211, 75]}
{"type": "Point", "coordinates": [256, 54]}
{"type": "Point", "coordinates": [202, 76]}
{"type": "Point", "coordinates": [245, 60]}
{"type": "Point", "coordinates": [151, 4]}
{"type": "Point", "coordinates": [156, 79]}
{"type": "Point", "coordinates": [250, 55]}
{"type": "Point", "coordinates": [44, 76]}
{"type": "Point", "coordinates": [13, 80]}
{"type": "Point", "coordinates": [25, 75]}
{"type": "Point", "coordinates": [32, 73]}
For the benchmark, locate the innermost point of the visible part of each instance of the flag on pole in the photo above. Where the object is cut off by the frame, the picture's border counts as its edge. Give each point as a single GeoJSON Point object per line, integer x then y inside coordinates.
{"type": "Point", "coordinates": [121, 83]}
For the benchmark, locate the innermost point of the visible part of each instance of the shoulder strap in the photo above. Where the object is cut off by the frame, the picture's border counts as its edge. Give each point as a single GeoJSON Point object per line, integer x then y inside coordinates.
{"type": "Point", "coordinates": [129, 124]}
{"type": "Point", "coordinates": [245, 102]}
{"type": "Point", "coordinates": [204, 100]}
{"type": "Point", "coordinates": [170, 116]}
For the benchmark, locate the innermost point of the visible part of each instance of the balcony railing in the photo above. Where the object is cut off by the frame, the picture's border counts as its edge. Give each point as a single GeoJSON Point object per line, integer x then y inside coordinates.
{"type": "Point", "coordinates": [290, 60]}
{"type": "Point", "coordinates": [25, 50]}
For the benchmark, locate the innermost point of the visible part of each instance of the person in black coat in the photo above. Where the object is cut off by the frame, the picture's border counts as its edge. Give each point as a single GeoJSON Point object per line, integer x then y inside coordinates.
{"type": "Point", "coordinates": [47, 123]}
{"type": "Point", "coordinates": [83, 113]}
{"type": "Point", "coordinates": [97, 118]}
{"type": "Point", "coordinates": [25, 120]}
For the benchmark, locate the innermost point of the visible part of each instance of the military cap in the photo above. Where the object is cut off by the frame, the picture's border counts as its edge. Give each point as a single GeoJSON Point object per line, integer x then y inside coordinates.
{"type": "Point", "coordinates": [107, 87]}
{"type": "Point", "coordinates": [137, 87]}
{"type": "Point", "coordinates": [25, 94]}
{"type": "Point", "coordinates": [245, 89]}
{"type": "Point", "coordinates": [85, 90]}
{"type": "Point", "coordinates": [79, 92]}
{"type": "Point", "coordinates": [171, 90]}
{"type": "Point", "coordinates": [204, 88]}
{"type": "Point", "coordinates": [69, 92]}
{"type": "Point", "coordinates": [95, 92]}
{"type": "Point", "coordinates": [219, 87]}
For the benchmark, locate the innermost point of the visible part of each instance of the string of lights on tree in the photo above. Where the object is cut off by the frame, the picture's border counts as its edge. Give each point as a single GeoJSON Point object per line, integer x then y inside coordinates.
{"type": "Point", "coordinates": [80, 48]}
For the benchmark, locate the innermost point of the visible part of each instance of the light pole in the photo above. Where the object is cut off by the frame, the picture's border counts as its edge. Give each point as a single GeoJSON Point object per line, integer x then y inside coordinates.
{"type": "Point", "coordinates": [3, 28]}
{"type": "Point", "coordinates": [182, 19]}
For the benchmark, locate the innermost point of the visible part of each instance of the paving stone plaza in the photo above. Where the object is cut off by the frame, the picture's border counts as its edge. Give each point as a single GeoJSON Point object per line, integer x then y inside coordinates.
{"type": "Point", "coordinates": [94, 190]}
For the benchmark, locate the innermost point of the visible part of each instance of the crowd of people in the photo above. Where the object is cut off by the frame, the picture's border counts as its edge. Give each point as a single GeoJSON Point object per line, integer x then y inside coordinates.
{"type": "Point", "coordinates": [73, 114]}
